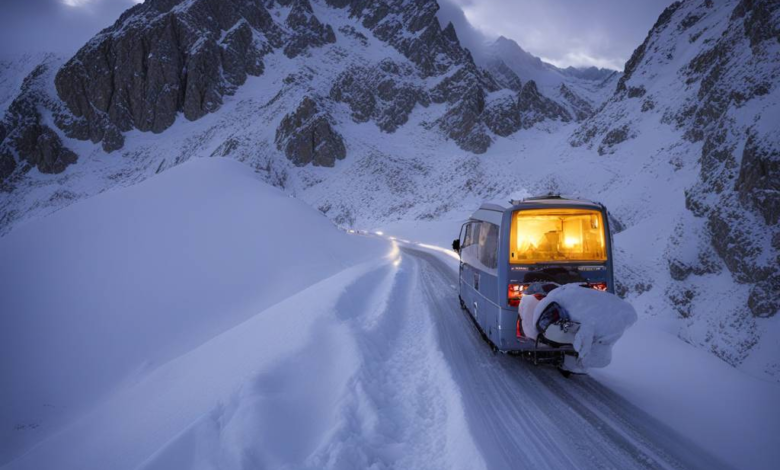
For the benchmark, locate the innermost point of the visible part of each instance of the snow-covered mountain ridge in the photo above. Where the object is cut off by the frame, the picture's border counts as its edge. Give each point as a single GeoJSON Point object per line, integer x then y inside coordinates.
{"type": "Point", "coordinates": [373, 113]}
{"type": "Point", "coordinates": [712, 72]}
{"type": "Point", "coordinates": [163, 58]}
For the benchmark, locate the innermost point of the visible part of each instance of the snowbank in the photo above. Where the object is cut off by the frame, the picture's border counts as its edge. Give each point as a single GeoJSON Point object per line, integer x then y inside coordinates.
{"type": "Point", "coordinates": [203, 319]}
{"type": "Point", "coordinates": [96, 296]}
{"type": "Point", "coordinates": [734, 415]}
{"type": "Point", "coordinates": [603, 319]}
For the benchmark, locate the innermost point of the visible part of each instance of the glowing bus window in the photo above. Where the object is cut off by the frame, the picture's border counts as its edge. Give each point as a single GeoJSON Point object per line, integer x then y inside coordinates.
{"type": "Point", "coordinates": [556, 235]}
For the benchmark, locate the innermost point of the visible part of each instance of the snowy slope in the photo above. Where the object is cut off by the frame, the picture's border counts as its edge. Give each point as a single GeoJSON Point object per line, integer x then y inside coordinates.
{"type": "Point", "coordinates": [202, 319]}
{"type": "Point", "coordinates": [137, 277]}
{"type": "Point", "coordinates": [634, 155]}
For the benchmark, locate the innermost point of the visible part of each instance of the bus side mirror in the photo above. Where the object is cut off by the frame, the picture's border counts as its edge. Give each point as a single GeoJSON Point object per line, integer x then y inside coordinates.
{"type": "Point", "coordinates": [456, 245]}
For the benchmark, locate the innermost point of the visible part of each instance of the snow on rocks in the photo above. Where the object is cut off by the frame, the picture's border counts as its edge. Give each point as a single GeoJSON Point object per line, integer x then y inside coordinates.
{"type": "Point", "coordinates": [603, 318]}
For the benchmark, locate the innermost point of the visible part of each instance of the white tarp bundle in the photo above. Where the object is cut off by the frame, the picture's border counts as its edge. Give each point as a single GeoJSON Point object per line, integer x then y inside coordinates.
{"type": "Point", "coordinates": [603, 318]}
{"type": "Point", "coordinates": [528, 305]}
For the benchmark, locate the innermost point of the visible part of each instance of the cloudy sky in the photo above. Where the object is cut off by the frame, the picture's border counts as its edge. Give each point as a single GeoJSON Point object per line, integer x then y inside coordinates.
{"type": "Point", "coordinates": [563, 32]}
{"type": "Point", "coordinates": [580, 33]}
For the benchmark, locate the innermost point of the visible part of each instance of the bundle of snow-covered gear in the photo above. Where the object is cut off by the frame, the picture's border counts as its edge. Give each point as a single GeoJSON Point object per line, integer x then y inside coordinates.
{"type": "Point", "coordinates": [573, 314]}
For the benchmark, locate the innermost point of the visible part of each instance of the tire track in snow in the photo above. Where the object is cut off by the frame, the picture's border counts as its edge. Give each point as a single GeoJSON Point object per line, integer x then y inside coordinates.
{"type": "Point", "coordinates": [521, 415]}
{"type": "Point", "coordinates": [402, 409]}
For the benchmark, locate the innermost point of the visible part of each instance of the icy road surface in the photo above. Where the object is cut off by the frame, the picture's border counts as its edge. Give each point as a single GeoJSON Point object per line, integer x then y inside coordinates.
{"type": "Point", "coordinates": [521, 414]}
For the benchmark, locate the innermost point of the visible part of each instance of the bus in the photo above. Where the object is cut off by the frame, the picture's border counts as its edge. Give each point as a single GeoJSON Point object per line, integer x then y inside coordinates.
{"type": "Point", "coordinates": [504, 248]}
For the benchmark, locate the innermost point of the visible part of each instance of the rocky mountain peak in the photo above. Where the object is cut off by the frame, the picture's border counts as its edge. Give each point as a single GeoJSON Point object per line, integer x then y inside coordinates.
{"type": "Point", "coordinates": [166, 58]}
{"type": "Point", "coordinates": [161, 58]}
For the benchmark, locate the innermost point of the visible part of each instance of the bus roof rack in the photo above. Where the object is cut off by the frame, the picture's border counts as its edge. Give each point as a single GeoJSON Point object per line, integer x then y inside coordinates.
{"type": "Point", "coordinates": [546, 196]}
{"type": "Point", "coordinates": [552, 197]}
{"type": "Point", "coordinates": [515, 202]}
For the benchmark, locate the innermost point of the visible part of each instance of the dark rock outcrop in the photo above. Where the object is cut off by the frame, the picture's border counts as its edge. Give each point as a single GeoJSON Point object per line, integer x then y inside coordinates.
{"type": "Point", "coordinates": [536, 107]}
{"type": "Point", "coordinates": [614, 137]}
{"type": "Point", "coordinates": [463, 122]}
{"type": "Point", "coordinates": [157, 61]}
{"type": "Point", "coordinates": [307, 136]}
{"type": "Point", "coordinates": [307, 30]}
{"type": "Point", "coordinates": [26, 137]}
{"type": "Point", "coordinates": [386, 93]}
{"type": "Point", "coordinates": [504, 76]}
{"type": "Point", "coordinates": [758, 183]}
{"type": "Point", "coordinates": [413, 29]}
{"type": "Point", "coordinates": [764, 299]}
{"type": "Point", "coordinates": [502, 115]}
{"type": "Point", "coordinates": [580, 106]}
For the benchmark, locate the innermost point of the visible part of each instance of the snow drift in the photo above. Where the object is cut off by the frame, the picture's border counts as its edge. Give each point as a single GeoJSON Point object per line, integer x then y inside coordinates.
{"type": "Point", "coordinates": [203, 319]}
{"type": "Point", "coordinates": [109, 289]}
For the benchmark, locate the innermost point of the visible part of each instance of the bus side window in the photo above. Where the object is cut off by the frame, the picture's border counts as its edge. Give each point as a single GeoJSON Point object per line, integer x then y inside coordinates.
{"type": "Point", "coordinates": [488, 245]}
{"type": "Point", "coordinates": [467, 236]}
{"type": "Point", "coordinates": [469, 250]}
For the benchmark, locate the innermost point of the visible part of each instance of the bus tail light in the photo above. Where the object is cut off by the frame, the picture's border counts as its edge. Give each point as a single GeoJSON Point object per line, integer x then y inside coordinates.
{"type": "Point", "coordinates": [602, 286]}
{"type": "Point", "coordinates": [514, 293]}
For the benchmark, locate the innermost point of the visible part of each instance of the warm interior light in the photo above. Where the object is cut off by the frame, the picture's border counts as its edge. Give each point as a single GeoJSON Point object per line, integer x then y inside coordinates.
{"type": "Point", "coordinates": [550, 235]}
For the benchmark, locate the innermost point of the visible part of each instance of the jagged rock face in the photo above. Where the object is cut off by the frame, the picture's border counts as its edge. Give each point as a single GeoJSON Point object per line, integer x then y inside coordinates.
{"type": "Point", "coordinates": [464, 124]}
{"type": "Point", "coordinates": [411, 27]}
{"type": "Point", "coordinates": [727, 101]}
{"type": "Point", "coordinates": [614, 137]}
{"type": "Point", "coordinates": [386, 93]}
{"type": "Point", "coordinates": [308, 31]}
{"type": "Point", "coordinates": [582, 108]}
{"type": "Point", "coordinates": [24, 135]}
{"type": "Point", "coordinates": [739, 188]}
{"type": "Point", "coordinates": [503, 75]}
{"type": "Point", "coordinates": [307, 136]}
{"type": "Point", "coordinates": [166, 57]}
{"type": "Point", "coordinates": [536, 107]}
{"type": "Point", "coordinates": [161, 58]}
{"type": "Point", "coordinates": [758, 183]}
{"type": "Point", "coordinates": [502, 115]}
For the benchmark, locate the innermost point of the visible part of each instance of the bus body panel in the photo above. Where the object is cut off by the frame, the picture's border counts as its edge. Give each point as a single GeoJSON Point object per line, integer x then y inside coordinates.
{"type": "Point", "coordinates": [483, 289]}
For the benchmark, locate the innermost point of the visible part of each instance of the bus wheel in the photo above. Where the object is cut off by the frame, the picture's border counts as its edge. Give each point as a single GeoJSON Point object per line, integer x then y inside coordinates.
{"type": "Point", "coordinates": [462, 303]}
{"type": "Point", "coordinates": [564, 372]}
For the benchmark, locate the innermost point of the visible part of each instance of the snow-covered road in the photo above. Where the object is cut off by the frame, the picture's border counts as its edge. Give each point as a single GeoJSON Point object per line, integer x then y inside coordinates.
{"type": "Point", "coordinates": [522, 415]}
{"type": "Point", "coordinates": [314, 349]}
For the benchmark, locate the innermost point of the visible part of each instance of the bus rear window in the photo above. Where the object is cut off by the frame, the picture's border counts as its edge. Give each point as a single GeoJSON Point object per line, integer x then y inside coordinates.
{"type": "Point", "coordinates": [557, 235]}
